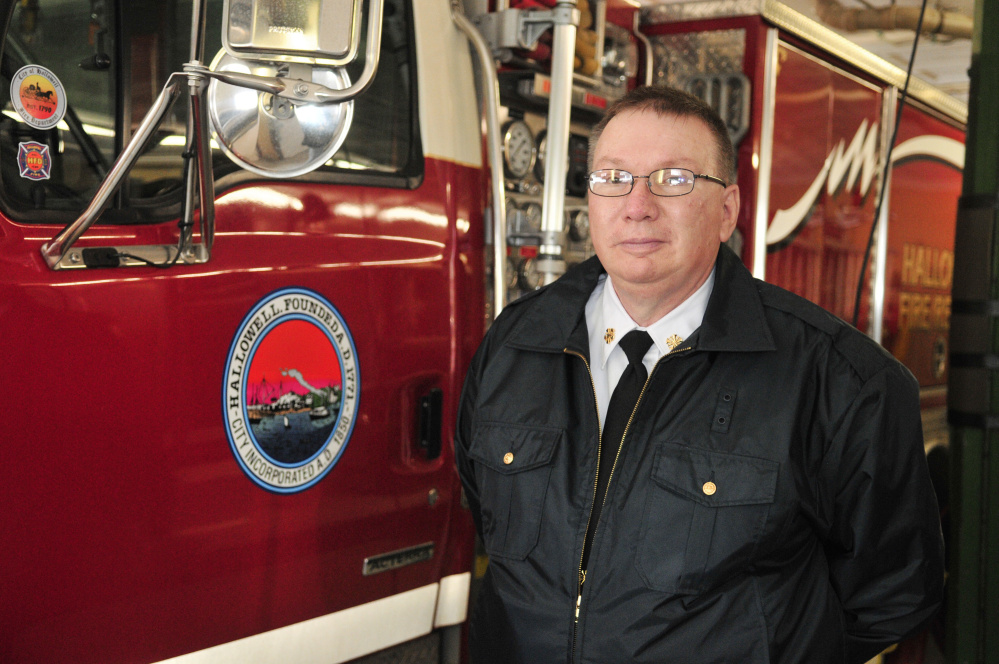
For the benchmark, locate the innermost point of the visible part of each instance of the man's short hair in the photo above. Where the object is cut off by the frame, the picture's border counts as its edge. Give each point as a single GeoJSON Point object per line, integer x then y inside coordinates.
{"type": "Point", "coordinates": [664, 101]}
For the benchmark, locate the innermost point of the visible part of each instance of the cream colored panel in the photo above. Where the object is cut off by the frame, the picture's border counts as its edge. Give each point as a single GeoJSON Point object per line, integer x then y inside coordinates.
{"type": "Point", "coordinates": [333, 638]}
{"type": "Point", "coordinates": [449, 117]}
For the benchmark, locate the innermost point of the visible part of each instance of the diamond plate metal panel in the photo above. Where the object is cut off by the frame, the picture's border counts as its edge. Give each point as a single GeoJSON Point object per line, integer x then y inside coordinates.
{"type": "Point", "coordinates": [679, 57]}
{"type": "Point", "coordinates": [792, 22]}
{"type": "Point", "coordinates": [672, 12]}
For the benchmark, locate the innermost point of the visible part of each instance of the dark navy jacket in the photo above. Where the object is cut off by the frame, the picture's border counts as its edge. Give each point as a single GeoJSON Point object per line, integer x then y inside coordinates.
{"type": "Point", "coordinates": [817, 541]}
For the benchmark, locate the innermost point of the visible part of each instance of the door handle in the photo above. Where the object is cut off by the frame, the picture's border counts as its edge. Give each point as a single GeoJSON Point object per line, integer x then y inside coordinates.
{"type": "Point", "coordinates": [431, 407]}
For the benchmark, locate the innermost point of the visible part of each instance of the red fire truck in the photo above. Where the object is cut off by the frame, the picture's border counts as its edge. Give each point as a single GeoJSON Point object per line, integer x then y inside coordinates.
{"type": "Point", "coordinates": [248, 247]}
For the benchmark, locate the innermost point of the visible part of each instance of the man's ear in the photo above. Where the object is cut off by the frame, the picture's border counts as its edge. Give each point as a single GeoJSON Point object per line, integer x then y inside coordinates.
{"type": "Point", "coordinates": [730, 214]}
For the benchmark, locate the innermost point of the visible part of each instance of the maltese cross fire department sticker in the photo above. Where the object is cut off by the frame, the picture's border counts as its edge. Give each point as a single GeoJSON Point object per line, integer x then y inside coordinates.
{"type": "Point", "coordinates": [291, 390]}
{"type": "Point", "coordinates": [33, 160]}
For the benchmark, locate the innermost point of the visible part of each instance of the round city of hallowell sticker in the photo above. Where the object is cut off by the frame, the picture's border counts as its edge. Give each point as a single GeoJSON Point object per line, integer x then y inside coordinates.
{"type": "Point", "coordinates": [291, 390]}
{"type": "Point", "coordinates": [38, 96]}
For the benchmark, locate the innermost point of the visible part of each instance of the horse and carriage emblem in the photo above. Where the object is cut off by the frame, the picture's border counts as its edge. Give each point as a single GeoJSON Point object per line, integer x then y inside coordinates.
{"type": "Point", "coordinates": [38, 96]}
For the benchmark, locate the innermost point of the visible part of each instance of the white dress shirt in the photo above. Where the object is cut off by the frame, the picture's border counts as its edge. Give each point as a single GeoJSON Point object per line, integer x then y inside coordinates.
{"type": "Point", "coordinates": [604, 312]}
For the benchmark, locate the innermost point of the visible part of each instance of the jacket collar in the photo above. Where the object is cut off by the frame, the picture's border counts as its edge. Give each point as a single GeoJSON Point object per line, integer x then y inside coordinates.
{"type": "Point", "coordinates": [733, 321]}
{"type": "Point", "coordinates": [557, 311]}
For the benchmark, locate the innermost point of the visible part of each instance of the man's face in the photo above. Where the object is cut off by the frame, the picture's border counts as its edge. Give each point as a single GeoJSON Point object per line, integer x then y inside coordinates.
{"type": "Point", "coordinates": [656, 248]}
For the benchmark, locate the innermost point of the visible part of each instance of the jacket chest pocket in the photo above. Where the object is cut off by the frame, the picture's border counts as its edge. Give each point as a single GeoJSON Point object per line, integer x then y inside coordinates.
{"type": "Point", "coordinates": [704, 514]}
{"type": "Point", "coordinates": [513, 467]}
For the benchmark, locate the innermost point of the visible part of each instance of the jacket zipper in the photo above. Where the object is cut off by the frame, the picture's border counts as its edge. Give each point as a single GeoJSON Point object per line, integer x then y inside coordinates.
{"type": "Point", "coordinates": [581, 574]}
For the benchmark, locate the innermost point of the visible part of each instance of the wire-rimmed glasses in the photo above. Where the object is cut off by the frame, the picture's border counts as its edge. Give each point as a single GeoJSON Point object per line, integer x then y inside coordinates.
{"type": "Point", "coordinates": [664, 182]}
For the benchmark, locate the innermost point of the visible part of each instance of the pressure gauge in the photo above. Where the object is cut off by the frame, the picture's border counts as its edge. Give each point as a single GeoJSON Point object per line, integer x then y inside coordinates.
{"type": "Point", "coordinates": [512, 273]}
{"type": "Point", "coordinates": [539, 166]}
{"type": "Point", "coordinates": [519, 151]}
{"type": "Point", "coordinates": [527, 277]}
{"type": "Point", "coordinates": [513, 215]}
{"type": "Point", "coordinates": [579, 226]}
{"type": "Point", "coordinates": [533, 213]}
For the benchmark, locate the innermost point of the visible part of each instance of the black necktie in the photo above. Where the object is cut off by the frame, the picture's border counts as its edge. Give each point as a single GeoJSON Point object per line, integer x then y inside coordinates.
{"type": "Point", "coordinates": [634, 344]}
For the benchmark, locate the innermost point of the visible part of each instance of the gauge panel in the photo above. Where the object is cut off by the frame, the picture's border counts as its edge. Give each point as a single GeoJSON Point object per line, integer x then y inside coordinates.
{"type": "Point", "coordinates": [533, 213]}
{"type": "Point", "coordinates": [539, 164]}
{"type": "Point", "coordinates": [579, 225]}
{"type": "Point", "coordinates": [519, 150]}
{"type": "Point", "coordinates": [575, 180]}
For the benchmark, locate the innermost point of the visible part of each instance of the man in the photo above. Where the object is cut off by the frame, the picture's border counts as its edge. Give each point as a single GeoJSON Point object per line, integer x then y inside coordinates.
{"type": "Point", "coordinates": [761, 496]}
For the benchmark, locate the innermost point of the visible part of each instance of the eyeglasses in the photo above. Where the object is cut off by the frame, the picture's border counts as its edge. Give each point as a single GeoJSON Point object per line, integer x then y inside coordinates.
{"type": "Point", "coordinates": [664, 182]}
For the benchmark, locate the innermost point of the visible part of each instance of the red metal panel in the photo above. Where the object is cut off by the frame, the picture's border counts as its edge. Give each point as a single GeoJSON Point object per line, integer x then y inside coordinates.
{"type": "Point", "coordinates": [819, 104]}
{"type": "Point", "coordinates": [923, 216]}
{"type": "Point", "coordinates": [819, 109]}
{"type": "Point", "coordinates": [132, 533]}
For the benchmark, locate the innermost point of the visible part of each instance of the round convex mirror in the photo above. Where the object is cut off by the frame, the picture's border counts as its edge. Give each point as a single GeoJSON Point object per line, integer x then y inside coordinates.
{"type": "Point", "coordinates": [270, 135]}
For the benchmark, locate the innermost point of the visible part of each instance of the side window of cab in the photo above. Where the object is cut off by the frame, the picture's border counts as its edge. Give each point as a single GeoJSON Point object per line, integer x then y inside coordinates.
{"type": "Point", "coordinates": [78, 76]}
{"type": "Point", "coordinates": [50, 164]}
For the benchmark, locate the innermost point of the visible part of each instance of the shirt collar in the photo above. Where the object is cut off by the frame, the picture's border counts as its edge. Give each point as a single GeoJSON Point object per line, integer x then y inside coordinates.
{"type": "Point", "coordinates": [680, 322]}
{"type": "Point", "coordinates": [551, 319]}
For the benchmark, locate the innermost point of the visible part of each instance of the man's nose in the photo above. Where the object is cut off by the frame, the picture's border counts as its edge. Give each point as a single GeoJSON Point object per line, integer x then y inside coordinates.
{"type": "Point", "coordinates": [641, 202]}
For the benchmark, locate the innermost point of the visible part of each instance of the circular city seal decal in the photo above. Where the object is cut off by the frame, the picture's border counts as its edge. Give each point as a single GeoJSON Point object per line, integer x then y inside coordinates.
{"type": "Point", "coordinates": [38, 96]}
{"type": "Point", "coordinates": [291, 390]}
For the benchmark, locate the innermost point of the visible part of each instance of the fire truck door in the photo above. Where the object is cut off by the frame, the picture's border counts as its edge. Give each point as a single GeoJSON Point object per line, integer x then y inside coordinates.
{"type": "Point", "coordinates": [231, 447]}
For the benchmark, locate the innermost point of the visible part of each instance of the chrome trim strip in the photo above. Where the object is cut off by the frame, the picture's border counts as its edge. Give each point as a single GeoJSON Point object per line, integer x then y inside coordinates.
{"type": "Point", "coordinates": [163, 255]}
{"type": "Point", "coordinates": [879, 264]}
{"type": "Point", "coordinates": [766, 156]}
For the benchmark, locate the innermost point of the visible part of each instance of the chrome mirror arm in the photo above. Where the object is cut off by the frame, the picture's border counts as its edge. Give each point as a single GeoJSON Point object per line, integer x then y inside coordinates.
{"type": "Point", "coordinates": [372, 50]}
{"type": "Point", "coordinates": [199, 178]}
{"type": "Point", "coordinates": [198, 145]}
{"type": "Point", "coordinates": [198, 148]}
{"type": "Point", "coordinates": [58, 248]}
{"type": "Point", "coordinates": [299, 91]}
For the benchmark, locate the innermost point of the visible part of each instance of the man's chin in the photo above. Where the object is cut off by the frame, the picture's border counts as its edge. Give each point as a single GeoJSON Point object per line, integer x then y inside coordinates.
{"type": "Point", "coordinates": [640, 278]}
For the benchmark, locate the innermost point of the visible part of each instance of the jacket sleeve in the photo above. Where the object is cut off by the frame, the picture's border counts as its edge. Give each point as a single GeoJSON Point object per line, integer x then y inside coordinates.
{"type": "Point", "coordinates": [884, 544]}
